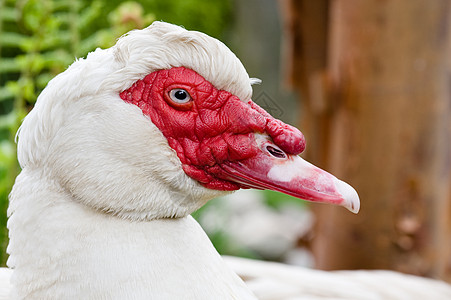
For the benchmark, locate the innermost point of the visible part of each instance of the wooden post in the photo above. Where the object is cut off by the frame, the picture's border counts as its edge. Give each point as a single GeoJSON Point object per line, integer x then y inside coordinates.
{"type": "Point", "coordinates": [385, 129]}
{"type": "Point", "coordinates": [305, 45]}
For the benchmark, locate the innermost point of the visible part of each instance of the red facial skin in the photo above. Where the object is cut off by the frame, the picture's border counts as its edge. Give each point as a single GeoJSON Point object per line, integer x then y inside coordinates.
{"type": "Point", "coordinates": [213, 129]}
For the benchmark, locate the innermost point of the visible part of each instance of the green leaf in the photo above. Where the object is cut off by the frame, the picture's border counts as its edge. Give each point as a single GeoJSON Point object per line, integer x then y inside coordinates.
{"type": "Point", "coordinates": [9, 14]}
{"type": "Point", "coordinates": [43, 79]}
{"type": "Point", "coordinates": [57, 60]}
{"type": "Point", "coordinates": [101, 38]}
{"type": "Point", "coordinates": [5, 93]}
{"type": "Point", "coordinates": [62, 5]}
{"type": "Point", "coordinates": [9, 65]}
{"type": "Point", "coordinates": [29, 44]}
{"type": "Point", "coordinates": [35, 13]}
{"type": "Point", "coordinates": [13, 87]}
{"type": "Point", "coordinates": [89, 14]}
{"type": "Point", "coordinates": [28, 89]}
{"type": "Point", "coordinates": [11, 39]}
{"type": "Point", "coordinates": [7, 121]}
{"type": "Point", "coordinates": [23, 88]}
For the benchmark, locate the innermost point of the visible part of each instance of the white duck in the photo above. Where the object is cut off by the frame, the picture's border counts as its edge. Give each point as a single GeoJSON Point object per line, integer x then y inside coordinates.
{"type": "Point", "coordinates": [121, 148]}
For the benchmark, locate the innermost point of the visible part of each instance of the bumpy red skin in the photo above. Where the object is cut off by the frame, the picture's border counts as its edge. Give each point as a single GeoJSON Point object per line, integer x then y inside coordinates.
{"type": "Point", "coordinates": [214, 128]}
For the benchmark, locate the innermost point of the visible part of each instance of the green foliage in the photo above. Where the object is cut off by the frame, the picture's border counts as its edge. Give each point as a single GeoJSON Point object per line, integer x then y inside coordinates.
{"type": "Point", "coordinates": [211, 17]}
{"type": "Point", "coordinates": [39, 39]}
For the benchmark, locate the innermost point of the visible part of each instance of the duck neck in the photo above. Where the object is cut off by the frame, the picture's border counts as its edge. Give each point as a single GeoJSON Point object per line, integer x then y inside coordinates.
{"type": "Point", "coordinates": [60, 249]}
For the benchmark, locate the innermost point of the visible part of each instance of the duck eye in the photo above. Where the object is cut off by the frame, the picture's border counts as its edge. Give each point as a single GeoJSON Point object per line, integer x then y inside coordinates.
{"type": "Point", "coordinates": [179, 96]}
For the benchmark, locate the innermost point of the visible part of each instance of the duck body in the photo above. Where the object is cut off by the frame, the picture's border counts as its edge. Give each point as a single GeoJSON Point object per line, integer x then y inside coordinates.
{"type": "Point", "coordinates": [64, 250]}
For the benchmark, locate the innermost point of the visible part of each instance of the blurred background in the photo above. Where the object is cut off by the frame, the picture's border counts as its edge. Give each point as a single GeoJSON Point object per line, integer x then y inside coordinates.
{"type": "Point", "coordinates": [367, 81]}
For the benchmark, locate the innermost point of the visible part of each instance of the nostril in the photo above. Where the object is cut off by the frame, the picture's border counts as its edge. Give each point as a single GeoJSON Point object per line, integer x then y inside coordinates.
{"type": "Point", "coordinates": [276, 152]}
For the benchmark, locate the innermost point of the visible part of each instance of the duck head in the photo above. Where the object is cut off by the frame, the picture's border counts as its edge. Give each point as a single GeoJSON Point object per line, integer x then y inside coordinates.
{"type": "Point", "coordinates": [162, 122]}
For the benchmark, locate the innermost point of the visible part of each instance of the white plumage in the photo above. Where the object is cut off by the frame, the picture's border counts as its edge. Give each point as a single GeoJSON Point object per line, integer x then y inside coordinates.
{"type": "Point", "coordinates": [274, 281]}
{"type": "Point", "coordinates": [101, 208]}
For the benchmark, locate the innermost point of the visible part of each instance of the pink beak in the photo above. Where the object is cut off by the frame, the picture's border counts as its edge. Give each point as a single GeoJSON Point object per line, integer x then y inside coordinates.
{"type": "Point", "coordinates": [273, 169]}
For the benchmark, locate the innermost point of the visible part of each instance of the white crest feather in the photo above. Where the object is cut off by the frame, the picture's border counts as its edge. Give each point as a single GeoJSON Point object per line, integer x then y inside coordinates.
{"type": "Point", "coordinates": [163, 46]}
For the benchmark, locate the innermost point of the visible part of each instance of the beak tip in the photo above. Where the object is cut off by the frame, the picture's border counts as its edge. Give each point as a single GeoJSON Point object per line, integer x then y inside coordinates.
{"type": "Point", "coordinates": [350, 197]}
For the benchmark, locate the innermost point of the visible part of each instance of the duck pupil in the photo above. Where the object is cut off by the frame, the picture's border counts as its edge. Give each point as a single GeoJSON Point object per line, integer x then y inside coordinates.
{"type": "Point", "coordinates": [181, 95]}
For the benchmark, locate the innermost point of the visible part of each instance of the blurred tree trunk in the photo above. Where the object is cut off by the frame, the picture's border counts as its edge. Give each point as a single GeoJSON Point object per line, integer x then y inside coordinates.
{"type": "Point", "coordinates": [376, 86]}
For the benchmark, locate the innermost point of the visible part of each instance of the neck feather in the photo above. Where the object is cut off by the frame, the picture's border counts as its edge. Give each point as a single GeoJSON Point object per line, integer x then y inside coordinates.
{"type": "Point", "coordinates": [62, 249]}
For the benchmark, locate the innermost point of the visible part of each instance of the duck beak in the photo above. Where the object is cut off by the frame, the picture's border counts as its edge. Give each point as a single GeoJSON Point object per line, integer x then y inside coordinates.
{"type": "Point", "coordinates": [271, 168]}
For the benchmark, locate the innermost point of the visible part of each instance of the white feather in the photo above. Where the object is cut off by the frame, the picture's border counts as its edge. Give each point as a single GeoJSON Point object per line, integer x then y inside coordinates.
{"type": "Point", "coordinates": [64, 250]}
{"type": "Point", "coordinates": [275, 281]}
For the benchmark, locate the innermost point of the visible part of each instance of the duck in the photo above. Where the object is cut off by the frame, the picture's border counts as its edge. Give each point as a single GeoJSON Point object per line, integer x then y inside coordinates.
{"type": "Point", "coordinates": [117, 153]}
